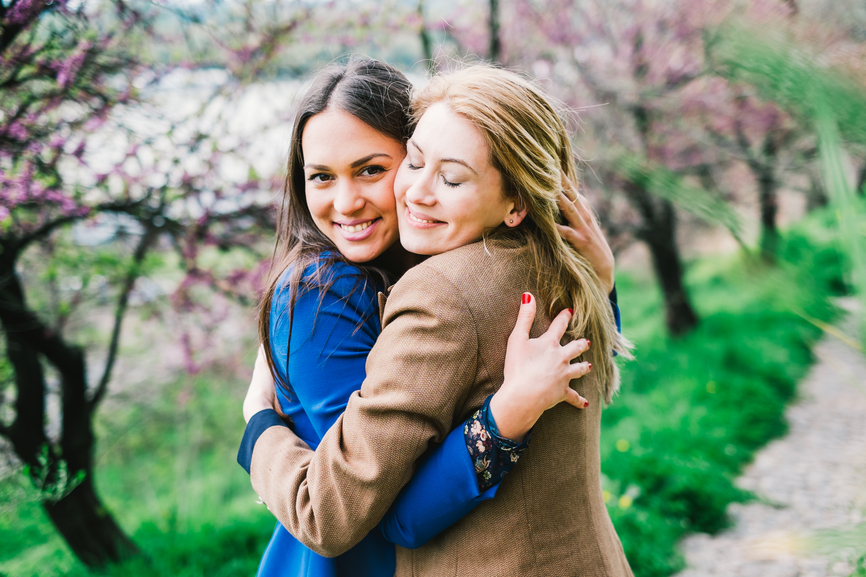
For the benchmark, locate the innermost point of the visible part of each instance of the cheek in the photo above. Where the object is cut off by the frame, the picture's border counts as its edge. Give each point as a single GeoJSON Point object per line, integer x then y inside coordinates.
{"type": "Point", "coordinates": [385, 191]}
{"type": "Point", "coordinates": [402, 182]}
{"type": "Point", "coordinates": [318, 204]}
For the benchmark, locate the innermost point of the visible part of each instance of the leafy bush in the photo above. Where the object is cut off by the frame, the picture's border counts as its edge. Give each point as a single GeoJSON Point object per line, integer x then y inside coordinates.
{"type": "Point", "coordinates": [693, 411]}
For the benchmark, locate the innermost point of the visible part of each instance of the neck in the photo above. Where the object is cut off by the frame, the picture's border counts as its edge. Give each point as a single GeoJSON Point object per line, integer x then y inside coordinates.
{"type": "Point", "coordinates": [396, 260]}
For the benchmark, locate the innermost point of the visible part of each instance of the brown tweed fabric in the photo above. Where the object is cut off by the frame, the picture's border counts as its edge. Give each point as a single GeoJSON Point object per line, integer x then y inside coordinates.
{"type": "Point", "coordinates": [441, 352]}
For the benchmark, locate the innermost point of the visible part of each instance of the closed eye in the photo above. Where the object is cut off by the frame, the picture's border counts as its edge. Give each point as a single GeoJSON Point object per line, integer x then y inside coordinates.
{"type": "Point", "coordinates": [449, 183]}
{"type": "Point", "coordinates": [411, 166]}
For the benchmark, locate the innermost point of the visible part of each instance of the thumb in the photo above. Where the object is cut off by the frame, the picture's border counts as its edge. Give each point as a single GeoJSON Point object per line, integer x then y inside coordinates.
{"type": "Point", "coordinates": [525, 317]}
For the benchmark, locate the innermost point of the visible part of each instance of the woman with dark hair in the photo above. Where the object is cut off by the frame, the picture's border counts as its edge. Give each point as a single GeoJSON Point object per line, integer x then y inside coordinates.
{"type": "Point", "coordinates": [336, 249]}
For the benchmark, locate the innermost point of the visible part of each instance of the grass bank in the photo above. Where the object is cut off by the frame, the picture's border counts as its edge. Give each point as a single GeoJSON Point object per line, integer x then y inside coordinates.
{"type": "Point", "coordinates": [691, 413]}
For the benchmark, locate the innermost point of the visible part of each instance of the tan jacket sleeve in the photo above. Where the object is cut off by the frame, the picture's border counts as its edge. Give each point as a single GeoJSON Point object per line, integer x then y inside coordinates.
{"type": "Point", "coordinates": [418, 374]}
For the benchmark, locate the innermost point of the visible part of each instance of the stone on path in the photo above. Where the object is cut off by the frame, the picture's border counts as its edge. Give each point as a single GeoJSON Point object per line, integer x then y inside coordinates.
{"type": "Point", "coordinates": [810, 519]}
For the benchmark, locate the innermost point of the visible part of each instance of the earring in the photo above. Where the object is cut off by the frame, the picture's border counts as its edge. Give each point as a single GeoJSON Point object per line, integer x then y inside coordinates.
{"type": "Point", "coordinates": [511, 221]}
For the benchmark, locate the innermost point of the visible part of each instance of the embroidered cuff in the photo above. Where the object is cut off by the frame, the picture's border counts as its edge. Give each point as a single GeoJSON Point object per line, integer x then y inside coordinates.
{"type": "Point", "coordinates": [258, 424]}
{"type": "Point", "coordinates": [493, 455]}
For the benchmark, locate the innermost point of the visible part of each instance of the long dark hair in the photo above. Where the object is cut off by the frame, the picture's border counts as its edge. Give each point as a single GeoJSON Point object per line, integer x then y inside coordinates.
{"type": "Point", "coordinates": [378, 95]}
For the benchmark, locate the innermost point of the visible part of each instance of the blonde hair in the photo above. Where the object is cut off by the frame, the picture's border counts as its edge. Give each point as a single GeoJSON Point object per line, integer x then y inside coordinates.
{"type": "Point", "coordinates": [530, 147]}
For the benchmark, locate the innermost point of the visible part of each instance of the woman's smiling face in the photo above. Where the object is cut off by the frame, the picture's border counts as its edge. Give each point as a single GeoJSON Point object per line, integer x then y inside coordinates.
{"type": "Point", "coordinates": [349, 171]}
{"type": "Point", "coordinates": [448, 193]}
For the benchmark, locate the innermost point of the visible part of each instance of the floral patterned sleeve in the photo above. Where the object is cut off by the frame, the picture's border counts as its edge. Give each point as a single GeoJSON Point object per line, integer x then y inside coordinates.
{"type": "Point", "coordinates": [494, 456]}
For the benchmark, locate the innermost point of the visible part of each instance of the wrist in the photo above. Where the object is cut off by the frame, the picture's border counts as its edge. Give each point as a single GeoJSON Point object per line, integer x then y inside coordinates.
{"type": "Point", "coordinates": [513, 419]}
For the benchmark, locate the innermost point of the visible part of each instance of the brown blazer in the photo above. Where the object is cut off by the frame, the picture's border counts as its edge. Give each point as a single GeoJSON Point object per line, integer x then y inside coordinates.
{"type": "Point", "coordinates": [440, 354]}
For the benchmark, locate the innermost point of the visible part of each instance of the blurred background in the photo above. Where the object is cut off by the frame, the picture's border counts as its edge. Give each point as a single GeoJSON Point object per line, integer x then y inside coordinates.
{"type": "Point", "coordinates": [142, 145]}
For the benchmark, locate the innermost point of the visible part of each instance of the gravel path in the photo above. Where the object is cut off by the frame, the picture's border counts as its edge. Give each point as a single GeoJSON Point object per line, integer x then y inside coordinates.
{"type": "Point", "coordinates": [811, 518]}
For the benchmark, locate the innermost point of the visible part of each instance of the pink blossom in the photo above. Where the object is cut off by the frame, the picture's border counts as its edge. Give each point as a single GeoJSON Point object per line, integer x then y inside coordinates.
{"type": "Point", "coordinates": [24, 12]}
{"type": "Point", "coordinates": [17, 131]}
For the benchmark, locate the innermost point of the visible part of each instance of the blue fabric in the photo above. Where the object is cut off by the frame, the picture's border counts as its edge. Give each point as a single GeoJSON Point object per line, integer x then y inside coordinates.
{"type": "Point", "coordinates": [259, 422]}
{"type": "Point", "coordinates": [614, 303]}
{"type": "Point", "coordinates": [332, 333]}
{"type": "Point", "coordinates": [439, 495]}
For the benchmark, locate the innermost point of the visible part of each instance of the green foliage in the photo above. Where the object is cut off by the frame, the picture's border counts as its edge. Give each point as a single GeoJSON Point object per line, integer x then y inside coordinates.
{"type": "Point", "coordinates": [51, 479]}
{"type": "Point", "coordinates": [166, 470]}
{"type": "Point", "coordinates": [692, 412]}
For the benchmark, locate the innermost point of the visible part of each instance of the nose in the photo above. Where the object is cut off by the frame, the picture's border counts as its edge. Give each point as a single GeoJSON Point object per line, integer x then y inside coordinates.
{"type": "Point", "coordinates": [348, 198]}
{"type": "Point", "coordinates": [420, 192]}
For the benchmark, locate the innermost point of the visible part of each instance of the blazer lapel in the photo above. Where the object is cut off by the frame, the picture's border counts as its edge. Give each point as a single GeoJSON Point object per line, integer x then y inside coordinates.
{"type": "Point", "coordinates": [383, 298]}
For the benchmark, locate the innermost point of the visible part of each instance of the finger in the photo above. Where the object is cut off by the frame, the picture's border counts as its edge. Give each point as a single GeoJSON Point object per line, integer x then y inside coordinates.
{"type": "Point", "coordinates": [578, 370]}
{"type": "Point", "coordinates": [569, 189]}
{"type": "Point", "coordinates": [559, 325]}
{"type": "Point", "coordinates": [574, 399]}
{"type": "Point", "coordinates": [570, 236]}
{"type": "Point", "coordinates": [576, 348]}
{"type": "Point", "coordinates": [586, 211]}
{"type": "Point", "coordinates": [525, 317]}
{"type": "Point", "coordinates": [570, 211]}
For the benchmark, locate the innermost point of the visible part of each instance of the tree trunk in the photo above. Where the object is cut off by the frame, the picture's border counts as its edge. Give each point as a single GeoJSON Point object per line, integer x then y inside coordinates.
{"type": "Point", "coordinates": [659, 233]}
{"type": "Point", "coordinates": [768, 198]}
{"type": "Point", "coordinates": [861, 182]}
{"type": "Point", "coordinates": [88, 528]}
{"type": "Point", "coordinates": [495, 45]}
{"type": "Point", "coordinates": [426, 41]}
{"type": "Point", "coordinates": [816, 197]}
{"type": "Point", "coordinates": [79, 517]}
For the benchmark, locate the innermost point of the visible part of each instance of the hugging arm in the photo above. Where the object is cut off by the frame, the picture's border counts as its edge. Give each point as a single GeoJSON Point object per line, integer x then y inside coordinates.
{"type": "Point", "coordinates": [419, 372]}
{"type": "Point", "coordinates": [332, 337]}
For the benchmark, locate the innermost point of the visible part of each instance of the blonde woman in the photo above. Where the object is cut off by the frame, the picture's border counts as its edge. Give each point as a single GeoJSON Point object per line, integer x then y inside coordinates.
{"type": "Point", "coordinates": [477, 191]}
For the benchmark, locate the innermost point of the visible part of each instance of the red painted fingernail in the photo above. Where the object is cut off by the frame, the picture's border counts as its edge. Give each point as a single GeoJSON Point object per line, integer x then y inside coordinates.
{"type": "Point", "coordinates": [590, 365]}
{"type": "Point", "coordinates": [585, 404]}
{"type": "Point", "coordinates": [588, 343]}
{"type": "Point", "coordinates": [526, 298]}
{"type": "Point", "coordinates": [571, 312]}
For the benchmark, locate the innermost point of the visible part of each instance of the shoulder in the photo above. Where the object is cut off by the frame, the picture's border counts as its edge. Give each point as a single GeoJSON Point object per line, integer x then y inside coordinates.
{"type": "Point", "coordinates": [469, 281]}
{"type": "Point", "coordinates": [338, 290]}
{"type": "Point", "coordinates": [478, 267]}
{"type": "Point", "coordinates": [326, 278]}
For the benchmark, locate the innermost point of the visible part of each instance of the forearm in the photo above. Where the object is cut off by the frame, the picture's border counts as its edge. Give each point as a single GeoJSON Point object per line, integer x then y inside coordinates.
{"type": "Point", "coordinates": [458, 474]}
{"type": "Point", "coordinates": [329, 499]}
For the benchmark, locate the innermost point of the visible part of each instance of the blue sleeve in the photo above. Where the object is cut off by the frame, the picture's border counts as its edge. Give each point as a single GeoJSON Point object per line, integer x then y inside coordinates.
{"type": "Point", "coordinates": [443, 490]}
{"type": "Point", "coordinates": [258, 424]}
{"type": "Point", "coordinates": [419, 513]}
{"type": "Point", "coordinates": [615, 305]}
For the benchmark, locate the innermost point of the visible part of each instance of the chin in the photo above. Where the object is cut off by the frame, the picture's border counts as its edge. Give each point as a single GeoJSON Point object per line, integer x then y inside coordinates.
{"type": "Point", "coordinates": [419, 246]}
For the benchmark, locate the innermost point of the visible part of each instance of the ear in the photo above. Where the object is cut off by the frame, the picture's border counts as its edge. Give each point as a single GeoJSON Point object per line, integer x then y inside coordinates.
{"type": "Point", "coordinates": [516, 214]}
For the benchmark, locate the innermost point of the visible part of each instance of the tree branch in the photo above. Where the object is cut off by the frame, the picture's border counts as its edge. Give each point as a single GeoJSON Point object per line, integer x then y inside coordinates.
{"type": "Point", "coordinates": [120, 312]}
{"type": "Point", "coordinates": [50, 226]}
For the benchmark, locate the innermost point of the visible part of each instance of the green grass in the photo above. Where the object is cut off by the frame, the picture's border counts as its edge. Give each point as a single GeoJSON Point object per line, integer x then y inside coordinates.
{"type": "Point", "coordinates": [167, 472]}
{"type": "Point", "coordinates": [691, 414]}
{"type": "Point", "coordinates": [693, 411]}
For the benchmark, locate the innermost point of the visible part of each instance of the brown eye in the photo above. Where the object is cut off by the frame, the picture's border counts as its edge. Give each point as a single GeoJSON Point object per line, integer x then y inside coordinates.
{"type": "Point", "coordinates": [373, 170]}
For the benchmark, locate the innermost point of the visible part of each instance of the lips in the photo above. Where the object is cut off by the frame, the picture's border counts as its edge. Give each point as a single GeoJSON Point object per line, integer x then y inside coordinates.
{"type": "Point", "coordinates": [421, 220]}
{"type": "Point", "coordinates": [357, 229]}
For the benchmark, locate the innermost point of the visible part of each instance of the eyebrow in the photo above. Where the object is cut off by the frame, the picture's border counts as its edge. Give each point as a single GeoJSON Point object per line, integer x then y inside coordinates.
{"type": "Point", "coordinates": [455, 160]}
{"type": "Point", "coordinates": [356, 164]}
